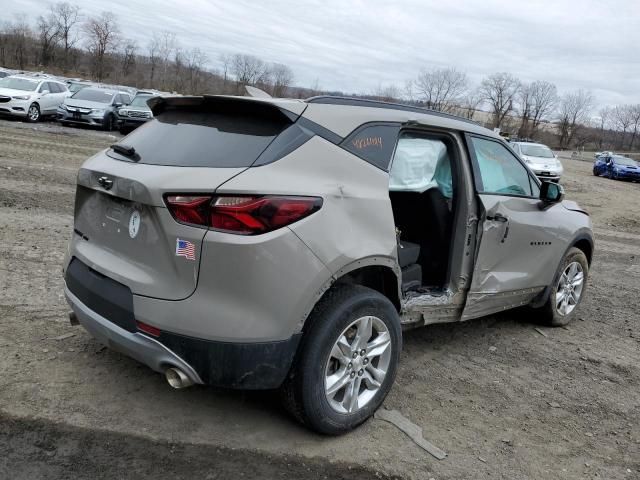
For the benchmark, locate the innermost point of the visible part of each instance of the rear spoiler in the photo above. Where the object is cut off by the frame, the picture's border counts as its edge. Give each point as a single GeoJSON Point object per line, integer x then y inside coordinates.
{"type": "Point", "coordinates": [292, 109]}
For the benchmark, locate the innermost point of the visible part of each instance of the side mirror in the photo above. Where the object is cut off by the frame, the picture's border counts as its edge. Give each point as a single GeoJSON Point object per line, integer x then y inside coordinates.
{"type": "Point", "coordinates": [551, 193]}
{"type": "Point", "coordinates": [46, 92]}
{"type": "Point", "coordinates": [117, 105]}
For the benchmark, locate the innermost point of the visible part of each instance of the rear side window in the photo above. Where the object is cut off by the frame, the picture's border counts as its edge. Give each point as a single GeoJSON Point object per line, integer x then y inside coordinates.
{"type": "Point", "coordinates": [234, 136]}
{"type": "Point", "coordinates": [374, 143]}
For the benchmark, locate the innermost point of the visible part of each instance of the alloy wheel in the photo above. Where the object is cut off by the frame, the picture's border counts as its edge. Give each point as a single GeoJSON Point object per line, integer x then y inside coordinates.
{"type": "Point", "coordinates": [358, 364]}
{"type": "Point", "coordinates": [569, 288]}
{"type": "Point", "coordinates": [34, 113]}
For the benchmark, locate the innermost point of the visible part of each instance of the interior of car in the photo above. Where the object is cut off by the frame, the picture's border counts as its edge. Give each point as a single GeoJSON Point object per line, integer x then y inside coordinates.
{"type": "Point", "coordinates": [421, 189]}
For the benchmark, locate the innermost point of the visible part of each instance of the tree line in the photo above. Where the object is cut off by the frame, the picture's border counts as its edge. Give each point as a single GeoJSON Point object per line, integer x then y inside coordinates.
{"type": "Point", "coordinates": [528, 110]}
{"type": "Point", "coordinates": [64, 41]}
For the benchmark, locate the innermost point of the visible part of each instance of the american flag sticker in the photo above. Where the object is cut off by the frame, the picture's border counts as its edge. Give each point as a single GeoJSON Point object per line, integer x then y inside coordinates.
{"type": "Point", "coordinates": [185, 249]}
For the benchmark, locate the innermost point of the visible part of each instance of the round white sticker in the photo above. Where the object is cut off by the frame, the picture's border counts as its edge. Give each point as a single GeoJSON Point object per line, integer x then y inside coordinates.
{"type": "Point", "coordinates": [134, 224]}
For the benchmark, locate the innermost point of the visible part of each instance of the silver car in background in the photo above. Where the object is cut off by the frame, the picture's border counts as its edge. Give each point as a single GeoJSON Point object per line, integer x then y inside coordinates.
{"type": "Point", "coordinates": [540, 159]}
{"type": "Point", "coordinates": [94, 107]}
{"type": "Point", "coordinates": [259, 243]}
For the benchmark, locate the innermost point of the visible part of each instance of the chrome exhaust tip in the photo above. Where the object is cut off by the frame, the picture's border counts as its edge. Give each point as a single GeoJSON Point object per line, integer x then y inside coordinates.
{"type": "Point", "coordinates": [177, 378]}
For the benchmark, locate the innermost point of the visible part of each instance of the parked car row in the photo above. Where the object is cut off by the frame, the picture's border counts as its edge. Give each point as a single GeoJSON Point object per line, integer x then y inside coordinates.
{"type": "Point", "coordinates": [33, 96]}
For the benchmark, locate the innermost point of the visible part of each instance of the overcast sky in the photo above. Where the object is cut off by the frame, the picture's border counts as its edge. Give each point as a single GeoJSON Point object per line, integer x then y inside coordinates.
{"type": "Point", "coordinates": [356, 45]}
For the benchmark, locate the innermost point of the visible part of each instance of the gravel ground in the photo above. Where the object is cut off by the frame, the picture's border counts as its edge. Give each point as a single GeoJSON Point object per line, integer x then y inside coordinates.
{"type": "Point", "coordinates": [501, 398]}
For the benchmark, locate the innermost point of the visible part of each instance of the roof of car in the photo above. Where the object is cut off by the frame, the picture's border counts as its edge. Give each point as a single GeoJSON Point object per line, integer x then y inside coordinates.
{"type": "Point", "coordinates": [365, 102]}
{"type": "Point", "coordinates": [343, 115]}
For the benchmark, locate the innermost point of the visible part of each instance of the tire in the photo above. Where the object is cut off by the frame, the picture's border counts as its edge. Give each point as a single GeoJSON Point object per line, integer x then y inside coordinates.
{"type": "Point", "coordinates": [551, 313]}
{"type": "Point", "coordinates": [107, 124]}
{"type": "Point", "coordinates": [344, 310]}
{"type": "Point", "coordinates": [33, 113]}
{"type": "Point", "coordinates": [595, 172]}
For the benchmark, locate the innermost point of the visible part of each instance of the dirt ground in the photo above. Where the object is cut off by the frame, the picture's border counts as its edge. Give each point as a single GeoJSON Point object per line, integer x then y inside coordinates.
{"type": "Point", "coordinates": [501, 398]}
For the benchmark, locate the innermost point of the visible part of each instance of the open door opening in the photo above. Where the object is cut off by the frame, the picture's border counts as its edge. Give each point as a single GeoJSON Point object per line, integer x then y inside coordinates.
{"type": "Point", "coordinates": [422, 192]}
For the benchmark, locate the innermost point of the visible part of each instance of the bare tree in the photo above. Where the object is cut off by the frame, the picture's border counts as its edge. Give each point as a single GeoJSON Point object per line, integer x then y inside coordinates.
{"type": "Point", "coordinates": [66, 17]}
{"type": "Point", "coordinates": [48, 34]}
{"type": "Point", "coordinates": [500, 90]}
{"type": "Point", "coordinates": [470, 104]}
{"type": "Point", "coordinates": [195, 60]}
{"type": "Point", "coordinates": [247, 69]}
{"type": "Point", "coordinates": [409, 90]}
{"type": "Point", "coordinates": [573, 109]}
{"type": "Point", "coordinates": [604, 119]}
{"type": "Point", "coordinates": [167, 45]}
{"type": "Point", "coordinates": [18, 36]}
{"type": "Point", "coordinates": [525, 100]}
{"type": "Point", "coordinates": [544, 97]}
{"type": "Point", "coordinates": [227, 62]}
{"type": "Point", "coordinates": [387, 93]}
{"type": "Point", "coordinates": [441, 89]}
{"type": "Point", "coordinates": [634, 113]}
{"type": "Point", "coordinates": [178, 70]}
{"type": "Point", "coordinates": [128, 57]}
{"type": "Point", "coordinates": [282, 78]}
{"type": "Point", "coordinates": [153, 49]}
{"type": "Point", "coordinates": [102, 36]}
{"type": "Point", "coordinates": [623, 118]}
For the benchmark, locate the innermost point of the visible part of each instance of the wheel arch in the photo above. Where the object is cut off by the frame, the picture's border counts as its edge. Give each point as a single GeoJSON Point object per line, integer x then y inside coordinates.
{"type": "Point", "coordinates": [584, 242]}
{"type": "Point", "coordinates": [380, 273]}
{"type": "Point", "coordinates": [379, 277]}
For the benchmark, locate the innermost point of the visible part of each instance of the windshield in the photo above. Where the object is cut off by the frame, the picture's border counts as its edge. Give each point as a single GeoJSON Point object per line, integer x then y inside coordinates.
{"type": "Point", "coordinates": [94, 95]}
{"type": "Point", "coordinates": [74, 87]}
{"type": "Point", "coordinates": [536, 151]}
{"type": "Point", "coordinates": [140, 101]}
{"type": "Point", "coordinates": [19, 84]}
{"type": "Point", "coordinates": [625, 161]}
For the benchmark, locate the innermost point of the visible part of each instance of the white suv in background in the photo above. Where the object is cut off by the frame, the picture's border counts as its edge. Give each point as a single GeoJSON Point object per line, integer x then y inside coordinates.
{"type": "Point", "coordinates": [540, 160]}
{"type": "Point", "coordinates": [30, 96]}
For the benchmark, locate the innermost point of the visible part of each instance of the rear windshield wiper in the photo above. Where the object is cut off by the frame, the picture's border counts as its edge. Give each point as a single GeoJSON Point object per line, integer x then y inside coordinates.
{"type": "Point", "coordinates": [126, 151]}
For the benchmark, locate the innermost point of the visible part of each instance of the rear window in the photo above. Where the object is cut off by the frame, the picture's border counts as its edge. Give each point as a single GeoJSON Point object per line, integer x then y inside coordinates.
{"type": "Point", "coordinates": [234, 136]}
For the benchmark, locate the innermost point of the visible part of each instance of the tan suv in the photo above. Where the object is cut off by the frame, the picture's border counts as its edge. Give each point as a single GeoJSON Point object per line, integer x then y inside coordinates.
{"type": "Point", "coordinates": [270, 243]}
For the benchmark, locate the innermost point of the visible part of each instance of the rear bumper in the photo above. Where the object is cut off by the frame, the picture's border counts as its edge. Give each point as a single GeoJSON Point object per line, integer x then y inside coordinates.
{"type": "Point", "coordinates": [133, 344]}
{"type": "Point", "coordinates": [104, 308]}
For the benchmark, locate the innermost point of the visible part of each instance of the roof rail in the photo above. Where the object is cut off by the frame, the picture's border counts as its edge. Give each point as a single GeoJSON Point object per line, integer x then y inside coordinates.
{"type": "Point", "coordinates": [363, 102]}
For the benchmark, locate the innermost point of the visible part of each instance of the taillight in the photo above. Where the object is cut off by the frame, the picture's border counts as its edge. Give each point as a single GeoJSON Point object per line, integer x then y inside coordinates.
{"type": "Point", "coordinates": [245, 215]}
{"type": "Point", "coordinates": [189, 209]}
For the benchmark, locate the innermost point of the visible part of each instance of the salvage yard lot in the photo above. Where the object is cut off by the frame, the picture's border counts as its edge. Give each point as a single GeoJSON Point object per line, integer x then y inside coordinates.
{"type": "Point", "coordinates": [502, 398]}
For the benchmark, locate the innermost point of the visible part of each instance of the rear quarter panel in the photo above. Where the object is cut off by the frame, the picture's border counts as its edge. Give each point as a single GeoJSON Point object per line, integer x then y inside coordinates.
{"type": "Point", "coordinates": [354, 227]}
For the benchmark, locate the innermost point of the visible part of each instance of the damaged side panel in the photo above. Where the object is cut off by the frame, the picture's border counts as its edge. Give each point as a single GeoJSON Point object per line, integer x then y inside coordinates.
{"type": "Point", "coordinates": [520, 248]}
{"type": "Point", "coordinates": [353, 229]}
